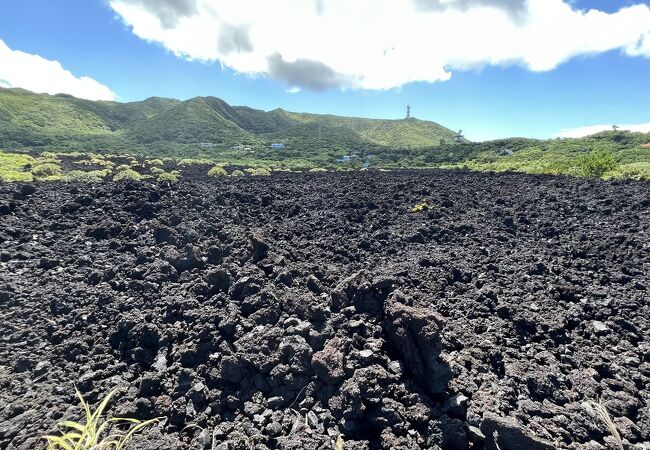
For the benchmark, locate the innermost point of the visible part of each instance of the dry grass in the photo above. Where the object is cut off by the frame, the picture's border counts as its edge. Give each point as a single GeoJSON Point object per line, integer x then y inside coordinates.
{"type": "Point", "coordinates": [602, 413]}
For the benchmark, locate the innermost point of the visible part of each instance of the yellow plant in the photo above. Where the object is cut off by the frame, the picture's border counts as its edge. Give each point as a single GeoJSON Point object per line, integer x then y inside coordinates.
{"type": "Point", "coordinates": [217, 171]}
{"type": "Point", "coordinates": [420, 207]}
{"type": "Point", "coordinates": [171, 177]}
{"type": "Point", "coordinates": [95, 434]}
{"type": "Point", "coordinates": [127, 174]}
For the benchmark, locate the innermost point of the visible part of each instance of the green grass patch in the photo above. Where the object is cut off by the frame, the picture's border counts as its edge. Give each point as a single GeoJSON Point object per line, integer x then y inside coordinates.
{"type": "Point", "coordinates": [14, 167]}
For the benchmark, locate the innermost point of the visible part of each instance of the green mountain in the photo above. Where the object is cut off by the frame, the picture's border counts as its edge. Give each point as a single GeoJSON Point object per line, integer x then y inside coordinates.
{"type": "Point", "coordinates": [62, 122]}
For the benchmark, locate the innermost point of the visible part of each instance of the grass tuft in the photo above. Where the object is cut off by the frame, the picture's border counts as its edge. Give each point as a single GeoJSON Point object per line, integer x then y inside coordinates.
{"type": "Point", "coordinates": [421, 207]}
{"type": "Point", "coordinates": [602, 413]}
{"type": "Point", "coordinates": [95, 433]}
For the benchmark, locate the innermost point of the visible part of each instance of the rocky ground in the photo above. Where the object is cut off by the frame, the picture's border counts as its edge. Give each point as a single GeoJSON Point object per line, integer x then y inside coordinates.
{"type": "Point", "coordinates": [301, 310]}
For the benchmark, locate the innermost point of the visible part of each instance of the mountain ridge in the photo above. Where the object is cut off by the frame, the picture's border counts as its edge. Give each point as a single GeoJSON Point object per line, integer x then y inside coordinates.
{"type": "Point", "coordinates": [32, 120]}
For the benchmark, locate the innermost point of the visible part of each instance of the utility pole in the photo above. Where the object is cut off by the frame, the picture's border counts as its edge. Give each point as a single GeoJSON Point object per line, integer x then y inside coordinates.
{"type": "Point", "coordinates": [408, 111]}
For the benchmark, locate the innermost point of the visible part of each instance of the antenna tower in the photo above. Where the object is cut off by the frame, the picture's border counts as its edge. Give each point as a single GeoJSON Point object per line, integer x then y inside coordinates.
{"type": "Point", "coordinates": [408, 111]}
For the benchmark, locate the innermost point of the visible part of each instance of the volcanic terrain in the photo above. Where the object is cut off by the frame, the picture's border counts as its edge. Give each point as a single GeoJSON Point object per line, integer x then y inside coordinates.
{"type": "Point", "coordinates": [367, 310]}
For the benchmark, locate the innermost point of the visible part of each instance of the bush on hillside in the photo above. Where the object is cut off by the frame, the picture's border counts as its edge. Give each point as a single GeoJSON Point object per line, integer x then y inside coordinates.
{"type": "Point", "coordinates": [123, 167]}
{"type": "Point", "coordinates": [217, 171]}
{"type": "Point", "coordinates": [317, 170]}
{"type": "Point", "coordinates": [47, 169]}
{"type": "Point", "coordinates": [127, 175]}
{"type": "Point", "coordinates": [101, 162]}
{"type": "Point", "coordinates": [237, 173]}
{"type": "Point", "coordinates": [635, 171]}
{"type": "Point", "coordinates": [169, 177]}
{"type": "Point", "coordinates": [597, 163]}
{"type": "Point", "coordinates": [92, 176]}
{"type": "Point", "coordinates": [260, 172]}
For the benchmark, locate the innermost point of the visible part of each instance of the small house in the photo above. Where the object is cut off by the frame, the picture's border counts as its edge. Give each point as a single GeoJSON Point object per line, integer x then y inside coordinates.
{"type": "Point", "coordinates": [277, 146]}
{"type": "Point", "coordinates": [646, 145]}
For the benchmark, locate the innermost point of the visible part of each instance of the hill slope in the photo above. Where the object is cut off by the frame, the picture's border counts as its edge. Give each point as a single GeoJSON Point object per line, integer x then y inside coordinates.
{"type": "Point", "coordinates": [33, 121]}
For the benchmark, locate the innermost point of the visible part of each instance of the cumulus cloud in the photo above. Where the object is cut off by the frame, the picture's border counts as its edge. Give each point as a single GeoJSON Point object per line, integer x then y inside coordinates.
{"type": "Point", "coordinates": [593, 129]}
{"type": "Point", "coordinates": [516, 8]}
{"type": "Point", "coordinates": [168, 12]}
{"type": "Point", "coordinates": [383, 44]}
{"type": "Point", "coordinates": [312, 75]}
{"type": "Point", "coordinates": [32, 72]}
{"type": "Point", "coordinates": [234, 39]}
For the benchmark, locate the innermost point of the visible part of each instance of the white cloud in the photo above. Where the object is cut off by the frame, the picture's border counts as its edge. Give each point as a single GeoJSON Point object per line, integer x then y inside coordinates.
{"type": "Point", "coordinates": [293, 90]}
{"type": "Point", "coordinates": [32, 72]}
{"type": "Point", "coordinates": [382, 44]}
{"type": "Point", "coordinates": [593, 129]}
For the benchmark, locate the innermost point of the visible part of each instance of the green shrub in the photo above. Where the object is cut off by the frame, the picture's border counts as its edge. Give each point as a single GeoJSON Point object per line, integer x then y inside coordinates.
{"type": "Point", "coordinates": [95, 433]}
{"type": "Point", "coordinates": [217, 171]}
{"type": "Point", "coordinates": [48, 169]}
{"type": "Point", "coordinates": [260, 172]}
{"type": "Point", "coordinates": [127, 175]}
{"type": "Point", "coordinates": [190, 161]}
{"type": "Point", "coordinates": [97, 162]}
{"type": "Point", "coordinates": [317, 170]}
{"type": "Point", "coordinates": [156, 162]}
{"type": "Point", "coordinates": [92, 176]}
{"type": "Point", "coordinates": [157, 170]}
{"type": "Point", "coordinates": [48, 155]}
{"type": "Point", "coordinates": [236, 173]}
{"type": "Point", "coordinates": [597, 163]}
{"type": "Point", "coordinates": [635, 171]}
{"type": "Point", "coordinates": [123, 167]}
{"type": "Point", "coordinates": [170, 177]}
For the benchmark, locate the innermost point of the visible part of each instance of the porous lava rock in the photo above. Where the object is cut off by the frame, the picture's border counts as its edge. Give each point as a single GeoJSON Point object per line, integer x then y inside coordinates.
{"type": "Point", "coordinates": [298, 311]}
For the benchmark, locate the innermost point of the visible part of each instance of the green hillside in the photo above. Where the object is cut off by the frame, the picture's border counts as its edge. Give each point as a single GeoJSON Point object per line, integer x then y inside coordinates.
{"type": "Point", "coordinates": [176, 128]}
{"type": "Point", "coordinates": [207, 128]}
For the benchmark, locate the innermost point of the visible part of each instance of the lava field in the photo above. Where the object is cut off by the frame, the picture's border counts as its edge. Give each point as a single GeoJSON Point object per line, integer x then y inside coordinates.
{"type": "Point", "coordinates": [319, 311]}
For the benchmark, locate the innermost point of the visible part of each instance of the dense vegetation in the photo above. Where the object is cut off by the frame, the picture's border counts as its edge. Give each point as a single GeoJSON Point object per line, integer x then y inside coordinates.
{"type": "Point", "coordinates": [208, 131]}
{"type": "Point", "coordinates": [199, 127]}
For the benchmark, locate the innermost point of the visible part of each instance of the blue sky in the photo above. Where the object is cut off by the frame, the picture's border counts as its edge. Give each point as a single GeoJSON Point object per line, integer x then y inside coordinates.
{"type": "Point", "coordinates": [90, 38]}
